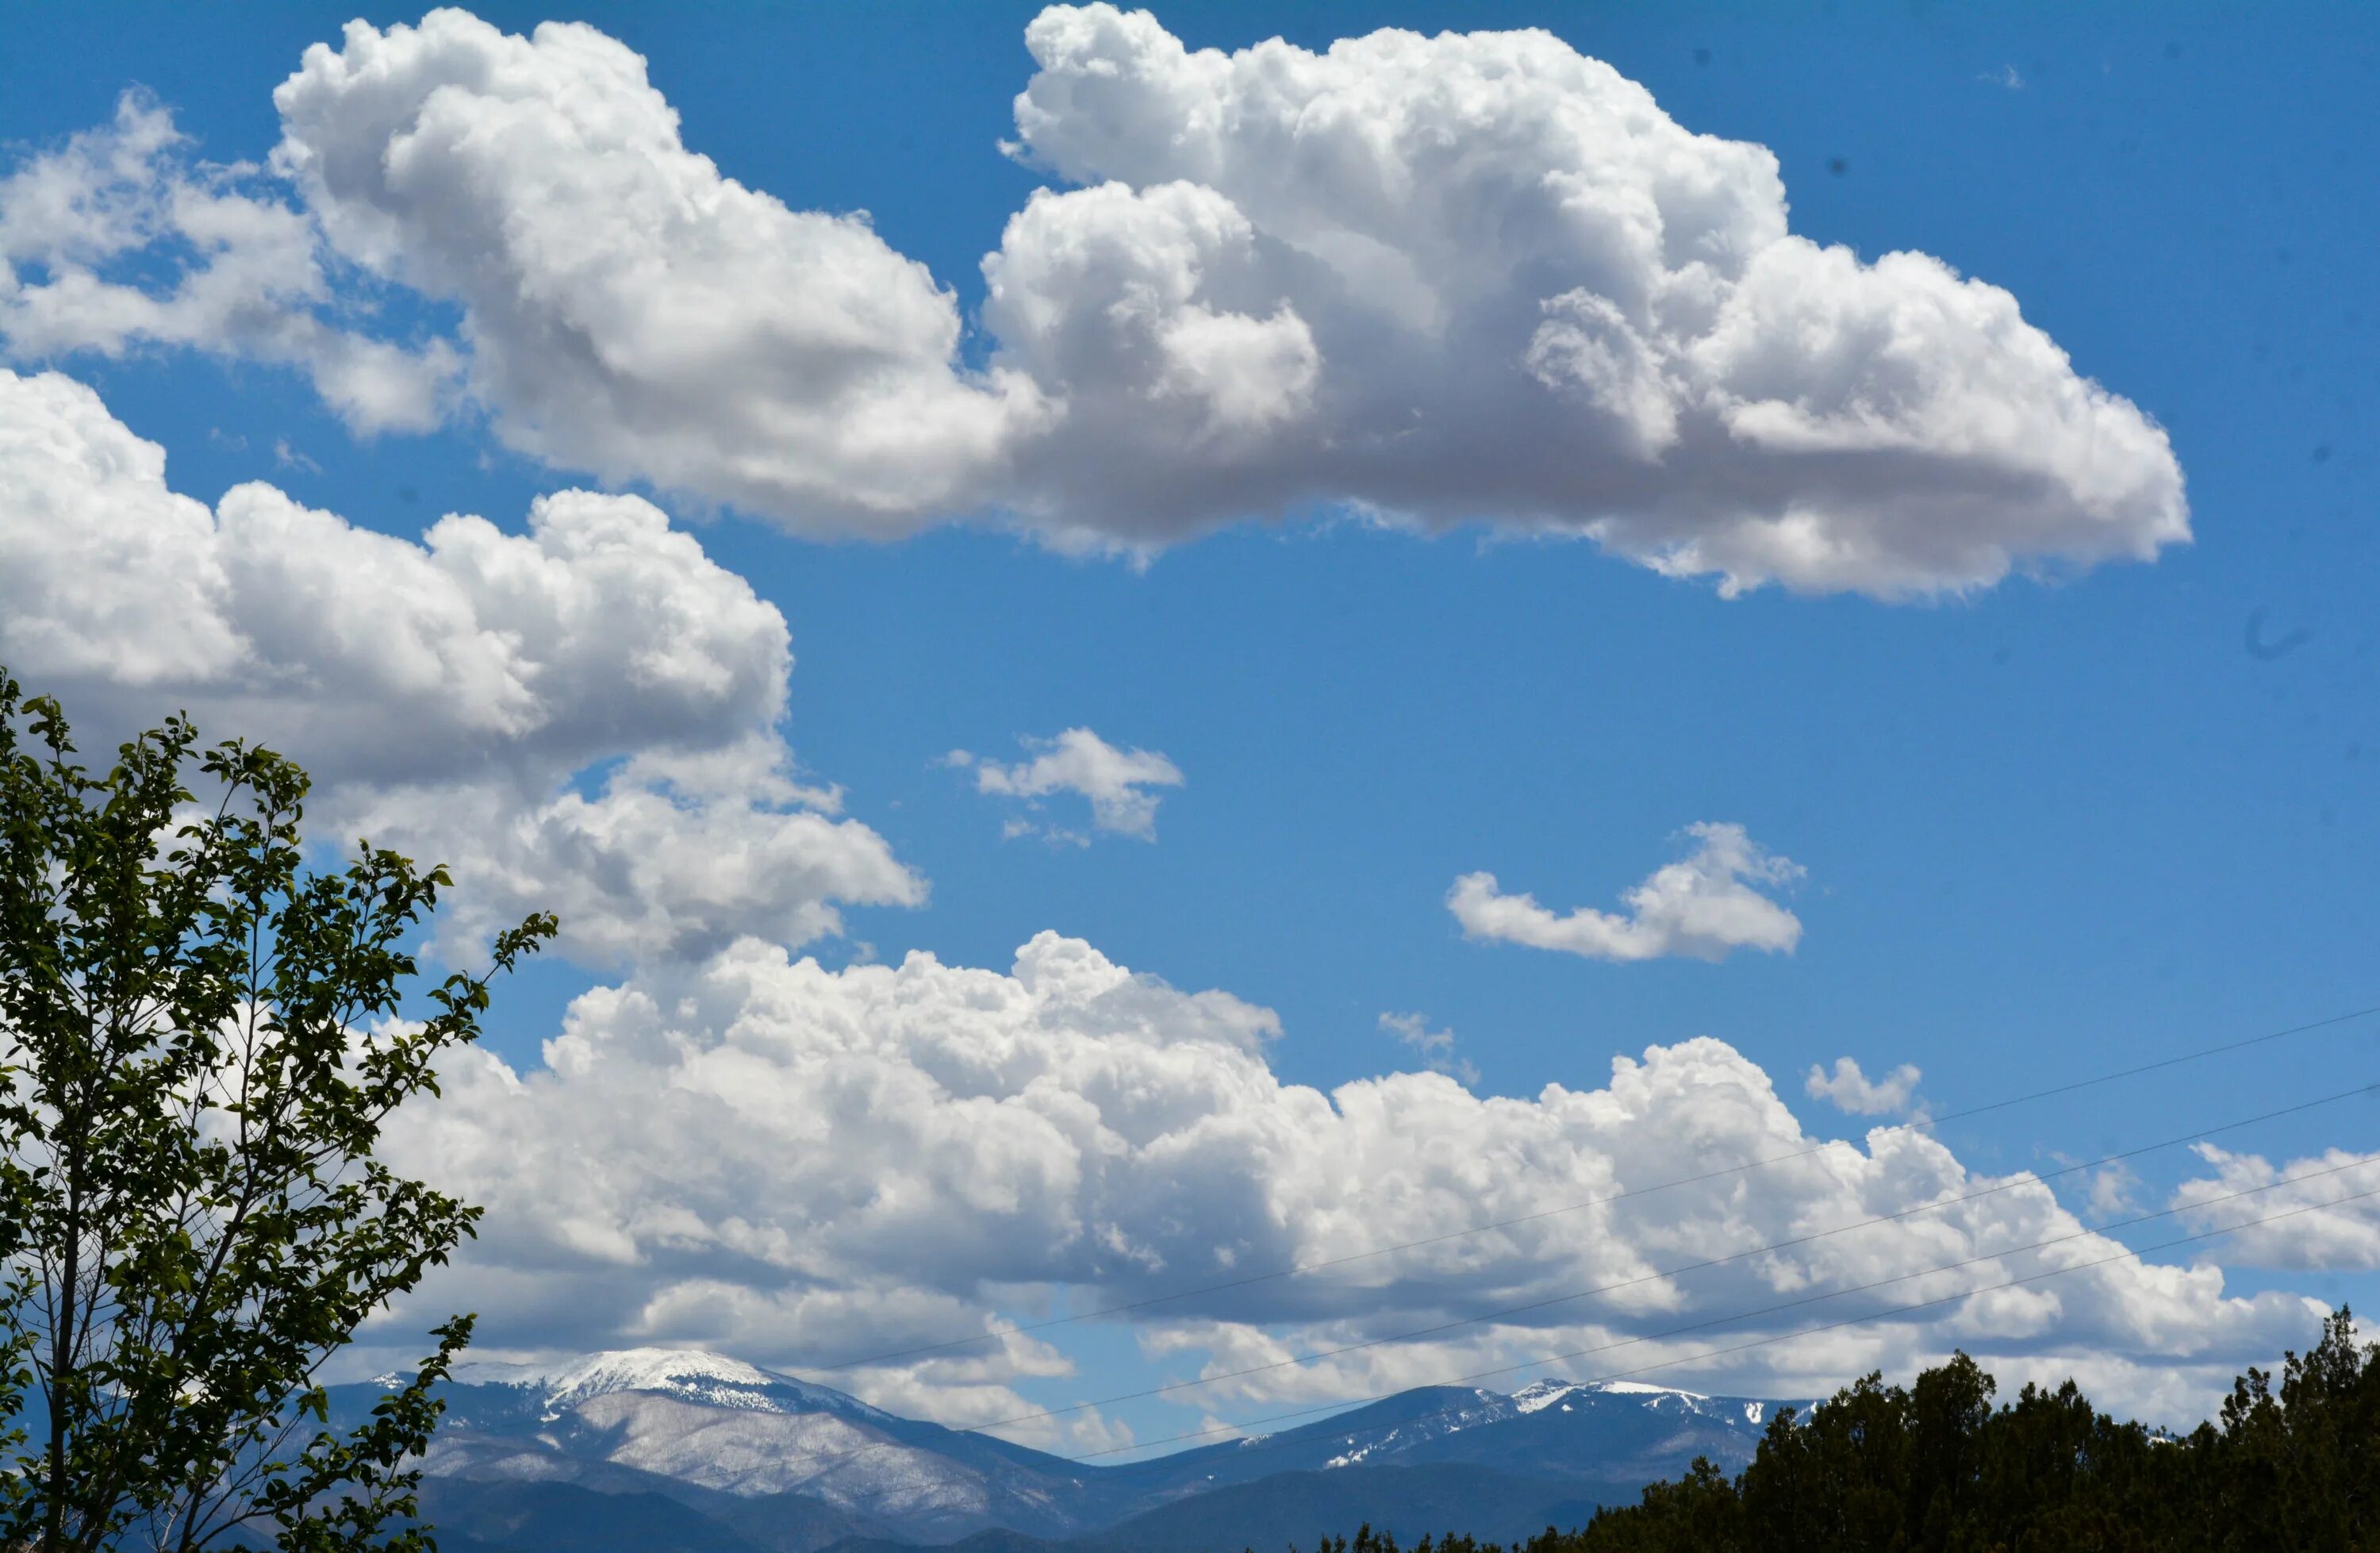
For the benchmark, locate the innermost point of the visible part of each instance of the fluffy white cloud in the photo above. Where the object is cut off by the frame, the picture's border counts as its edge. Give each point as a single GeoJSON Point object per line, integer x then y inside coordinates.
{"type": "Point", "coordinates": [676, 856]}
{"type": "Point", "coordinates": [249, 276]}
{"type": "Point", "coordinates": [2328, 1234]}
{"type": "Point", "coordinates": [1483, 276]}
{"type": "Point", "coordinates": [1467, 278]}
{"type": "Point", "coordinates": [599, 629]}
{"type": "Point", "coordinates": [629, 310]}
{"type": "Point", "coordinates": [1115, 781]}
{"type": "Point", "coordinates": [447, 693]}
{"type": "Point", "coordinates": [1848, 1089]}
{"type": "Point", "coordinates": [1704, 905]}
{"type": "Point", "coordinates": [806, 1166]}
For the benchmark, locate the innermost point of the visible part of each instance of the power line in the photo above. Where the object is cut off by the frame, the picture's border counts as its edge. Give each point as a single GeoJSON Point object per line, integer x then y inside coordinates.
{"type": "Point", "coordinates": [1298, 1269]}
{"type": "Point", "coordinates": [2026, 1179]}
{"type": "Point", "coordinates": [1828, 1326]}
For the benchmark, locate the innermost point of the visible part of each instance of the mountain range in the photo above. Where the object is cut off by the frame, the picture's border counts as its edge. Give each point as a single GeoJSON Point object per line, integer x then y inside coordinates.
{"type": "Point", "coordinates": [654, 1450]}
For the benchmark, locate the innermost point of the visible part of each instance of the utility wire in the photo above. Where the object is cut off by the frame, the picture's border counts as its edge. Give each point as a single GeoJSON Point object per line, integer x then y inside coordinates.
{"type": "Point", "coordinates": [1830, 1327]}
{"type": "Point", "coordinates": [2013, 1182]}
{"type": "Point", "coordinates": [1298, 1269]}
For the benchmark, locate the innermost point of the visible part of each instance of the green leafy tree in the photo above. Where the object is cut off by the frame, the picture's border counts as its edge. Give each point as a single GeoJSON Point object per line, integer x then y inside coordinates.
{"type": "Point", "coordinates": [200, 1044]}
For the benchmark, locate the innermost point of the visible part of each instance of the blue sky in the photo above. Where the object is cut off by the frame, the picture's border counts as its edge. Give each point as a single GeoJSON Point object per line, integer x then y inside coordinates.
{"type": "Point", "coordinates": [2048, 828]}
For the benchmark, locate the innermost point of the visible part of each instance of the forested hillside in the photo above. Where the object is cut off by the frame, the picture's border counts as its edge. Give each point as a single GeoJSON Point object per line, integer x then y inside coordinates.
{"type": "Point", "coordinates": [2292, 1463]}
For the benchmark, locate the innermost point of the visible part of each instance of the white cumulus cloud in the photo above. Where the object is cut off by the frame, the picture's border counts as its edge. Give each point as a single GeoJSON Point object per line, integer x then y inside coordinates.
{"type": "Point", "coordinates": [1704, 905]}
{"type": "Point", "coordinates": [2328, 1233]}
{"type": "Point", "coordinates": [453, 695]}
{"type": "Point", "coordinates": [1469, 278]}
{"type": "Point", "coordinates": [1117, 783]}
{"type": "Point", "coordinates": [629, 310]}
{"type": "Point", "coordinates": [1483, 276]}
{"type": "Point", "coordinates": [807, 1165]}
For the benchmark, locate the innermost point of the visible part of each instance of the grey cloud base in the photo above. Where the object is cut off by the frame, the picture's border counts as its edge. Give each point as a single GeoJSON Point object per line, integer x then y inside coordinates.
{"type": "Point", "coordinates": [1469, 278]}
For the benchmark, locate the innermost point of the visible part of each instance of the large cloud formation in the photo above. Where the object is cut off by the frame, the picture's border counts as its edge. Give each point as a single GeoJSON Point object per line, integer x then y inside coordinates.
{"type": "Point", "coordinates": [805, 1166]}
{"type": "Point", "coordinates": [1468, 278]}
{"type": "Point", "coordinates": [628, 310]}
{"type": "Point", "coordinates": [448, 694]}
{"type": "Point", "coordinates": [1486, 276]}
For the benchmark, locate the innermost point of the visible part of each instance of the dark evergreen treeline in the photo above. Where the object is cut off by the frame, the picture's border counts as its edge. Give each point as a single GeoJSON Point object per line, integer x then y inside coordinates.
{"type": "Point", "coordinates": [1935, 1466]}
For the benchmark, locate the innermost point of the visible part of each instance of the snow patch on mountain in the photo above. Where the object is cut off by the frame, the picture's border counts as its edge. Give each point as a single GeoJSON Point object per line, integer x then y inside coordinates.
{"type": "Point", "coordinates": [1639, 1389]}
{"type": "Point", "coordinates": [1539, 1395]}
{"type": "Point", "coordinates": [775, 1450]}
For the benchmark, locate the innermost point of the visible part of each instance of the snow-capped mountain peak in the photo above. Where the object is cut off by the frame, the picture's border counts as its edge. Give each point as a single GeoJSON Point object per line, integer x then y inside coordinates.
{"type": "Point", "coordinates": [686, 1374]}
{"type": "Point", "coordinates": [689, 1374]}
{"type": "Point", "coordinates": [728, 1439]}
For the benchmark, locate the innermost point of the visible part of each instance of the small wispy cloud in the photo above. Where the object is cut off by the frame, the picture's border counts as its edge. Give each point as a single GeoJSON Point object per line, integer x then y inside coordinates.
{"type": "Point", "coordinates": [1436, 1048]}
{"type": "Point", "coordinates": [1704, 905]}
{"type": "Point", "coordinates": [1116, 783]}
{"type": "Point", "coordinates": [1850, 1090]}
{"type": "Point", "coordinates": [2109, 1191]}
